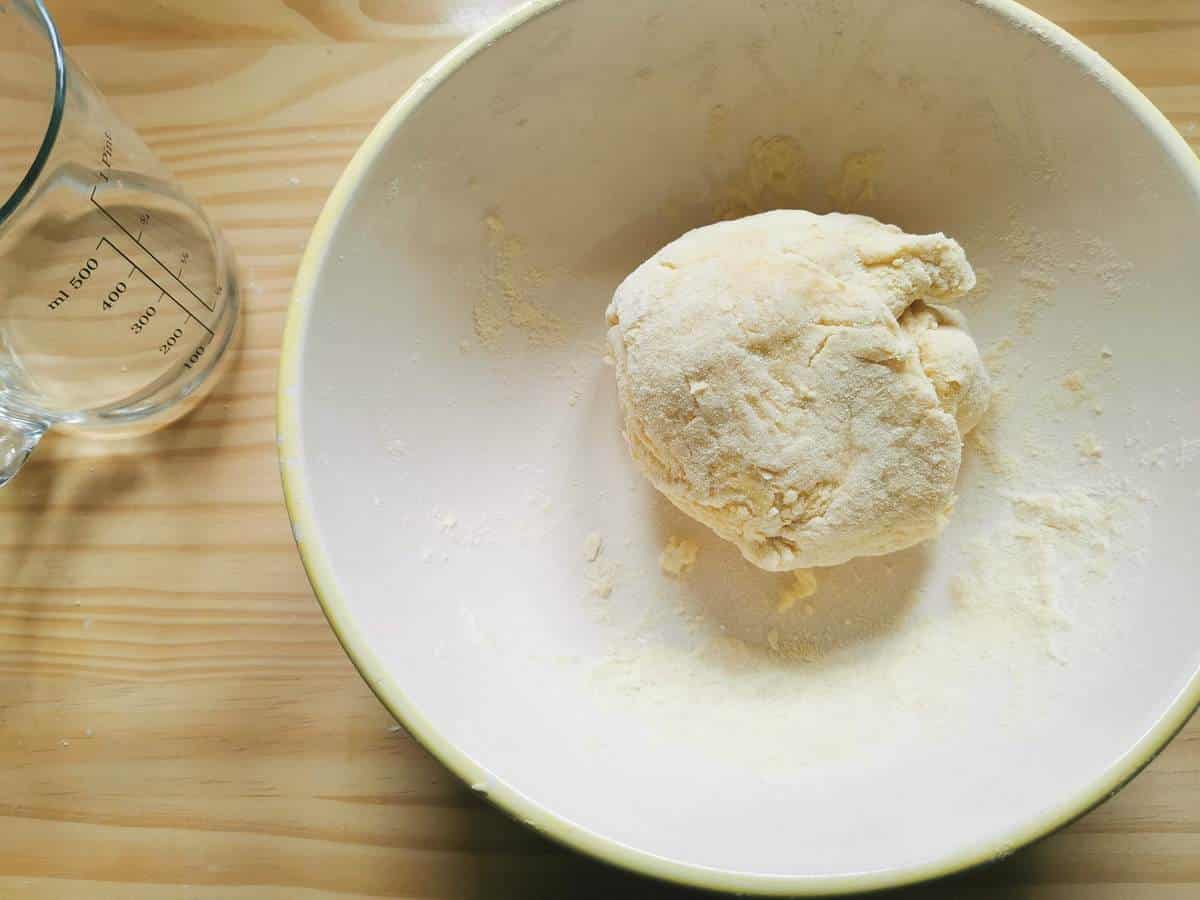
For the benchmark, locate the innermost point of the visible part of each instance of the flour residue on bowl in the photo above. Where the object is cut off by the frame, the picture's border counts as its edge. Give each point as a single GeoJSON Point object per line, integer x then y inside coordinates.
{"type": "Point", "coordinates": [1024, 595]}
{"type": "Point", "coordinates": [856, 181]}
{"type": "Point", "coordinates": [1112, 271]}
{"type": "Point", "coordinates": [1045, 543]}
{"type": "Point", "coordinates": [803, 585]}
{"type": "Point", "coordinates": [772, 176]}
{"type": "Point", "coordinates": [1028, 251]}
{"type": "Point", "coordinates": [507, 302]}
{"type": "Point", "coordinates": [774, 172]}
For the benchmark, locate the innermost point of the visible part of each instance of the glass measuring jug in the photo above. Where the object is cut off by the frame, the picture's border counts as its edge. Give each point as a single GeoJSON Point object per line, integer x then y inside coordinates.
{"type": "Point", "coordinates": [118, 299]}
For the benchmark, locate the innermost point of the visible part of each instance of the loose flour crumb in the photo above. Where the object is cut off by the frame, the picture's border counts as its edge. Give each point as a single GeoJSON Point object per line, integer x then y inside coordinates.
{"type": "Point", "coordinates": [592, 545]}
{"type": "Point", "coordinates": [1074, 381]}
{"type": "Point", "coordinates": [678, 557]}
{"type": "Point", "coordinates": [1089, 446]}
{"type": "Point", "coordinates": [602, 577]}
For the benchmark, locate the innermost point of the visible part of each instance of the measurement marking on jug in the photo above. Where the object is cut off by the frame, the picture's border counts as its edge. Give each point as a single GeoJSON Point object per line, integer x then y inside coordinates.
{"type": "Point", "coordinates": [106, 155]}
{"type": "Point", "coordinates": [151, 279]}
{"type": "Point", "coordinates": [172, 339]}
{"type": "Point", "coordinates": [114, 295]}
{"type": "Point", "coordinates": [148, 251]}
{"type": "Point", "coordinates": [139, 240]}
{"type": "Point", "coordinates": [143, 320]}
{"type": "Point", "coordinates": [74, 283]}
{"type": "Point", "coordinates": [195, 357]}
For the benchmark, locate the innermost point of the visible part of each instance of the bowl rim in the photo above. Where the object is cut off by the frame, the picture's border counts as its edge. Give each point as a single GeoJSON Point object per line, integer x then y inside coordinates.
{"type": "Point", "coordinates": [392, 695]}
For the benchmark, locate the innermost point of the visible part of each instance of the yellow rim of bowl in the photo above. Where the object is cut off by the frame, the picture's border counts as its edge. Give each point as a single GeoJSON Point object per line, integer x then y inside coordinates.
{"type": "Point", "coordinates": [392, 695]}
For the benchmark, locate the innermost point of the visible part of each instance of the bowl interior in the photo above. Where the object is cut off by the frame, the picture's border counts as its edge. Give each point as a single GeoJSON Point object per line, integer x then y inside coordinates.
{"type": "Point", "coordinates": [455, 441]}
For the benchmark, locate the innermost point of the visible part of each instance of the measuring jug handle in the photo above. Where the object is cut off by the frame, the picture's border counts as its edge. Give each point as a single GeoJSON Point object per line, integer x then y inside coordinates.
{"type": "Point", "coordinates": [18, 437]}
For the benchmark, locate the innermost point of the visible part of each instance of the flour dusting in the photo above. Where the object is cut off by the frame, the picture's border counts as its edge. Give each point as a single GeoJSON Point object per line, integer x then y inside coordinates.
{"type": "Point", "coordinates": [772, 177]}
{"type": "Point", "coordinates": [507, 303]}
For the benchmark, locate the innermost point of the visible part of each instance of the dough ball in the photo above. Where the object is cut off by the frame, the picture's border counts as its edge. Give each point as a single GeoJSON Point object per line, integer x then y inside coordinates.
{"type": "Point", "coordinates": [783, 381]}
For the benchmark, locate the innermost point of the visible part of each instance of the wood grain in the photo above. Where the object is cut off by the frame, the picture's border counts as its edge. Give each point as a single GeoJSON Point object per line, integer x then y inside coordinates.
{"type": "Point", "coordinates": [176, 718]}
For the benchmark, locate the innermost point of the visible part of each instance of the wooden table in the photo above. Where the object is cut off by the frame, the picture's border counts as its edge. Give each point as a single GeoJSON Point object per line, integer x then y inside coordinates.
{"type": "Point", "coordinates": [176, 718]}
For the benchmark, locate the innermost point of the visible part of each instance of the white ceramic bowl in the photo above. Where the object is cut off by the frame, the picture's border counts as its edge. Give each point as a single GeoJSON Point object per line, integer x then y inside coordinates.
{"type": "Point", "coordinates": [443, 486]}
